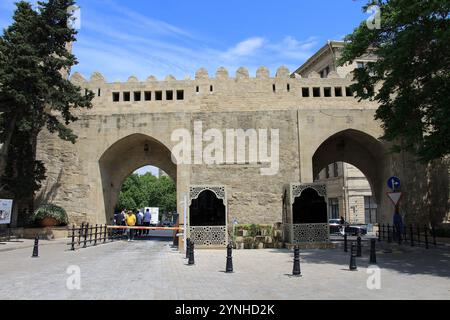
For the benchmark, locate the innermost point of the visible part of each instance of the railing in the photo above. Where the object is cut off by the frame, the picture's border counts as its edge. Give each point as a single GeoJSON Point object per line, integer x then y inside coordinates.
{"type": "Point", "coordinates": [414, 235]}
{"type": "Point", "coordinates": [93, 235]}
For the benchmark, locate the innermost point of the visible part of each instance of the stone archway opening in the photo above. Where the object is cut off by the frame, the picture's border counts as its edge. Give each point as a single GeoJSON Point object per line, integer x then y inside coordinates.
{"type": "Point", "coordinates": [351, 164]}
{"type": "Point", "coordinates": [207, 210]}
{"type": "Point", "coordinates": [309, 207]}
{"type": "Point", "coordinates": [126, 156]}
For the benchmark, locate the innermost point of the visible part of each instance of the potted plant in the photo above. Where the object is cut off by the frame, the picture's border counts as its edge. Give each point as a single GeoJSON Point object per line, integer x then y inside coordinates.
{"type": "Point", "coordinates": [50, 215]}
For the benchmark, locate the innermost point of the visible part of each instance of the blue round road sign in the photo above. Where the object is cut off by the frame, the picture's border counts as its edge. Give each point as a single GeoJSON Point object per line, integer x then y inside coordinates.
{"type": "Point", "coordinates": [394, 183]}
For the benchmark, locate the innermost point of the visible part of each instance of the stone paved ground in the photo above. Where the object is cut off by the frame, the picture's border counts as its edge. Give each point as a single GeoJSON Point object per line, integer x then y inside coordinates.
{"type": "Point", "coordinates": [155, 270]}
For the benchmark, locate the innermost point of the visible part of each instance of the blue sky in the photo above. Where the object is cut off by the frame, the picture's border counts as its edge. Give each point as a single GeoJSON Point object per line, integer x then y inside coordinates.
{"type": "Point", "coordinates": [137, 37]}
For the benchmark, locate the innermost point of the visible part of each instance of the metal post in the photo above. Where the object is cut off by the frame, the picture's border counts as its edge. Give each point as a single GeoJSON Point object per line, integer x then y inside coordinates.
{"type": "Point", "coordinates": [296, 269]}
{"type": "Point", "coordinates": [383, 232]}
{"type": "Point", "coordinates": [358, 247]}
{"type": "Point", "coordinates": [185, 230]}
{"type": "Point", "coordinates": [389, 233]}
{"type": "Point", "coordinates": [188, 242]}
{"type": "Point", "coordinates": [434, 235]}
{"type": "Point", "coordinates": [86, 229]}
{"type": "Point", "coordinates": [353, 266]}
{"type": "Point", "coordinates": [379, 232]}
{"type": "Point", "coordinates": [105, 234]}
{"type": "Point", "coordinates": [345, 243]}
{"type": "Point", "coordinates": [426, 237]}
{"type": "Point", "coordinates": [36, 248]}
{"type": "Point", "coordinates": [80, 233]}
{"type": "Point", "coordinates": [90, 234]}
{"type": "Point", "coordinates": [229, 266]}
{"type": "Point", "coordinates": [418, 235]}
{"type": "Point", "coordinates": [73, 239]}
{"type": "Point", "coordinates": [411, 231]}
{"type": "Point", "coordinates": [96, 229]}
{"type": "Point", "coordinates": [373, 254]}
{"type": "Point", "coordinates": [191, 254]}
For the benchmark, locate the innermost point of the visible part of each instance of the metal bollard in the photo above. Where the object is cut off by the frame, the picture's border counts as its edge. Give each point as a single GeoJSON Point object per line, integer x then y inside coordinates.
{"type": "Point", "coordinates": [229, 267]}
{"type": "Point", "coordinates": [72, 247]}
{"type": "Point", "coordinates": [358, 247]}
{"type": "Point", "coordinates": [434, 235]}
{"type": "Point", "coordinates": [379, 233]}
{"type": "Point", "coordinates": [418, 235]}
{"type": "Point", "coordinates": [80, 233]}
{"type": "Point", "coordinates": [296, 269]}
{"type": "Point", "coordinates": [191, 254]}
{"type": "Point", "coordinates": [383, 232]}
{"type": "Point", "coordinates": [345, 243]}
{"type": "Point", "coordinates": [373, 253]}
{"type": "Point", "coordinates": [36, 248]}
{"type": "Point", "coordinates": [353, 266]}
{"type": "Point", "coordinates": [105, 234]}
{"type": "Point", "coordinates": [411, 235]}
{"type": "Point", "coordinates": [188, 249]}
{"type": "Point", "coordinates": [426, 238]}
{"type": "Point", "coordinates": [96, 229]}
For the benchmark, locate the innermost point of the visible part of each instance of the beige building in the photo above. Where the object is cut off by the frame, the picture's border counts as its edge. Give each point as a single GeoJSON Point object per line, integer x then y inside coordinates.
{"type": "Point", "coordinates": [349, 194]}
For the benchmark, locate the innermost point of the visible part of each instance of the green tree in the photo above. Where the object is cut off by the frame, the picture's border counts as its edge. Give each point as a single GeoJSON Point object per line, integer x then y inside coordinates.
{"type": "Point", "coordinates": [34, 90]}
{"type": "Point", "coordinates": [411, 78]}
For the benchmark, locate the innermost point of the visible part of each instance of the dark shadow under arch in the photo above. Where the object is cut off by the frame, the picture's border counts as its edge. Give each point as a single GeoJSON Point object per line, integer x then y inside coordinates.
{"type": "Point", "coordinates": [309, 207]}
{"type": "Point", "coordinates": [207, 210]}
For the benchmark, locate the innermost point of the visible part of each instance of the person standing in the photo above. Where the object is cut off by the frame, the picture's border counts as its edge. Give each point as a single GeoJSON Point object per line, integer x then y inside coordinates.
{"type": "Point", "coordinates": [147, 220]}
{"type": "Point", "coordinates": [130, 220]}
{"type": "Point", "coordinates": [140, 218]}
{"type": "Point", "coordinates": [398, 223]}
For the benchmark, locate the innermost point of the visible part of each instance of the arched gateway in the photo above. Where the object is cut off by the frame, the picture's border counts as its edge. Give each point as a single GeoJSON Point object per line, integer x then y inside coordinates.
{"type": "Point", "coordinates": [132, 125]}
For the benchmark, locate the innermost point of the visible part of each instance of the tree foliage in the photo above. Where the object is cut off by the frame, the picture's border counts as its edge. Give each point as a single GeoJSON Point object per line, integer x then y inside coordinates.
{"type": "Point", "coordinates": [148, 191]}
{"type": "Point", "coordinates": [411, 78]}
{"type": "Point", "coordinates": [34, 91]}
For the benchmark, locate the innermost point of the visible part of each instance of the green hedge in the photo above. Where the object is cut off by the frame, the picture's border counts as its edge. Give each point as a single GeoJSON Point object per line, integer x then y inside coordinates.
{"type": "Point", "coordinates": [51, 211]}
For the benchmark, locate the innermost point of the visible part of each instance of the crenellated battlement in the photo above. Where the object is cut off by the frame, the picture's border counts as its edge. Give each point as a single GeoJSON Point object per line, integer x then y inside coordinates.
{"type": "Point", "coordinates": [221, 92]}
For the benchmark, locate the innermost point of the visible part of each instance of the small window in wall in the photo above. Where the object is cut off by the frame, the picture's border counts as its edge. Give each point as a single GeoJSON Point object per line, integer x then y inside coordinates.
{"type": "Point", "coordinates": [338, 92]}
{"type": "Point", "coordinates": [137, 96]}
{"type": "Point", "coordinates": [274, 88]}
{"type": "Point", "coordinates": [335, 170]}
{"type": "Point", "coordinates": [305, 92]}
{"type": "Point", "coordinates": [211, 88]}
{"type": "Point", "coordinates": [327, 92]}
{"type": "Point", "coordinates": [324, 73]}
{"type": "Point", "coordinates": [99, 92]}
{"type": "Point", "coordinates": [334, 207]}
{"type": "Point", "coordinates": [327, 172]}
{"type": "Point", "coordinates": [197, 89]}
{"type": "Point", "coordinates": [148, 95]}
{"type": "Point", "coordinates": [288, 87]}
{"type": "Point", "coordinates": [158, 95]}
{"type": "Point", "coordinates": [316, 92]}
{"type": "Point", "coordinates": [169, 95]}
{"type": "Point", "coordinates": [180, 94]}
{"type": "Point", "coordinates": [116, 96]}
{"type": "Point", "coordinates": [126, 96]}
{"type": "Point", "coordinates": [348, 92]}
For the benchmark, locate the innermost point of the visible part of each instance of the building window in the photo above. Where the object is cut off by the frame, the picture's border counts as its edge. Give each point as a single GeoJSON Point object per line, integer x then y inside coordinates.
{"type": "Point", "coordinates": [370, 209]}
{"type": "Point", "coordinates": [305, 92]}
{"type": "Point", "coordinates": [335, 169]}
{"type": "Point", "coordinates": [334, 208]}
{"type": "Point", "coordinates": [148, 95]}
{"type": "Point", "coordinates": [126, 96]}
{"type": "Point", "coordinates": [158, 95]}
{"type": "Point", "coordinates": [327, 92]}
{"type": "Point", "coordinates": [180, 94]}
{"type": "Point", "coordinates": [316, 92]}
{"type": "Point", "coordinates": [324, 73]}
{"type": "Point", "coordinates": [327, 172]}
{"type": "Point", "coordinates": [137, 96]}
{"type": "Point", "coordinates": [116, 96]}
{"type": "Point", "coordinates": [338, 92]}
{"type": "Point", "coordinates": [348, 92]}
{"type": "Point", "coordinates": [169, 95]}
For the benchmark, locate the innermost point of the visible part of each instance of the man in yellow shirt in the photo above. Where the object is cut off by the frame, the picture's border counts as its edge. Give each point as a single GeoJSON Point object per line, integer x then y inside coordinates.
{"type": "Point", "coordinates": [130, 220]}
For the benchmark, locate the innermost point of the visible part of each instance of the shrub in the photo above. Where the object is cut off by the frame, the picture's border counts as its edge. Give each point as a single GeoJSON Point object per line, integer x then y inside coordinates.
{"type": "Point", "coordinates": [51, 211]}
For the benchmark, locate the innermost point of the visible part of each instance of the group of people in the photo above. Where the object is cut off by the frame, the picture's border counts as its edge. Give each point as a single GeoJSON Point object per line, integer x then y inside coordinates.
{"type": "Point", "coordinates": [130, 219]}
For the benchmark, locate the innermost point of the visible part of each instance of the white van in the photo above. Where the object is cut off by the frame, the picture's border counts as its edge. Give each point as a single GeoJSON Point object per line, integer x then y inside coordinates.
{"type": "Point", "coordinates": [155, 215]}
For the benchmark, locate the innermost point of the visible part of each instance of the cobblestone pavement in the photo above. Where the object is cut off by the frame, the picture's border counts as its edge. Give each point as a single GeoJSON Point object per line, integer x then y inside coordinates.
{"type": "Point", "coordinates": [155, 270]}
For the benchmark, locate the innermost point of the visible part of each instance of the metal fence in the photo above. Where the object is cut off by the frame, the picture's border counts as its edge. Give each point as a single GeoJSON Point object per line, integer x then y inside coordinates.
{"type": "Point", "coordinates": [414, 235]}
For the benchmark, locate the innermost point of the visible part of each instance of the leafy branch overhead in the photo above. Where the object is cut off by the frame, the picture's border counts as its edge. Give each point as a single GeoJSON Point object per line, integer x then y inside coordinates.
{"type": "Point", "coordinates": [411, 77]}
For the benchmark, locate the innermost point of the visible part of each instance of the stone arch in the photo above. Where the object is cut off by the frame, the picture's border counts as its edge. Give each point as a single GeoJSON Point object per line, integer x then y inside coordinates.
{"type": "Point", "coordinates": [126, 155]}
{"type": "Point", "coordinates": [359, 149]}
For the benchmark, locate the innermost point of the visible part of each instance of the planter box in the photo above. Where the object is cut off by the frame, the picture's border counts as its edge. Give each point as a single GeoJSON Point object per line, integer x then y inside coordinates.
{"type": "Point", "coordinates": [49, 233]}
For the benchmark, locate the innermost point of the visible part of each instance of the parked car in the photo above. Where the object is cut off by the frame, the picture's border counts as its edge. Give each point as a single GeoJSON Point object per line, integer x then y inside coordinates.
{"type": "Point", "coordinates": [356, 229]}
{"type": "Point", "coordinates": [335, 225]}
{"type": "Point", "coordinates": [350, 229]}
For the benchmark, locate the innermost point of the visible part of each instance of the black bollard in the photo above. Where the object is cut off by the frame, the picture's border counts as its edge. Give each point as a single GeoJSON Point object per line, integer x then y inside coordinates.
{"type": "Point", "coordinates": [358, 247]}
{"type": "Point", "coordinates": [96, 229]}
{"type": "Point", "coordinates": [418, 235]}
{"type": "Point", "coordinates": [411, 235]}
{"type": "Point", "coordinates": [296, 270]}
{"type": "Point", "coordinates": [229, 267]}
{"type": "Point", "coordinates": [191, 254]}
{"type": "Point", "coordinates": [373, 254]}
{"type": "Point", "coordinates": [389, 233]}
{"type": "Point", "coordinates": [80, 233]}
{"type": "Point", "coordinates": [426, 238]}
{"type": "Point", "coordinates": [36, 248]}
{"type": "Point", "coordinates": [434, 235]}
{"type": "Point", "coordinates": [353, 266]}
{"type": "Point", "coordinates": [384, 237]}
{"type": "Point", "coordinates": [188, 249]}
{"type": "Point", "coordinates": [379, 233]}
{"type": "Point", "coordinates": [345, 243]}
{"type": "Point", "coordinates": [105, 233]}
{"type": "Point", "coordinates": [72, 247]}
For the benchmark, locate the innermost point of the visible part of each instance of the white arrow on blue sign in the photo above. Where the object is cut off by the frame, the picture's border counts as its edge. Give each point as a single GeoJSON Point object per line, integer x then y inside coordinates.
{"type": "Point", "coordinates": [394, 183]}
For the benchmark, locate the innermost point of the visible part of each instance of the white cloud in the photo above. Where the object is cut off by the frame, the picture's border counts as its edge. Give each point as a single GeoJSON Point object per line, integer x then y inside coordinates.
{"type": "Point", "coordinates": [244, 48]}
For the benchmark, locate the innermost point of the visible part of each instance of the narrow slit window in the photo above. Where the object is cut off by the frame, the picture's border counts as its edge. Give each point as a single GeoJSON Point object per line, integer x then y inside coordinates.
{"type": "Point", "coordinates": [169, 95]}
{"type": "Point", "coordinates": [126, 96]}
{"type": "Point", "coordinates": [158, 95]}
{"type": "Point", "coordinates": [288, 87]}
{"type": "Point", "coordinates": [137, 96]}
{"type": "Point", "coordinates": [327, 92]}
{"type": "Point", "coordinates": [211, 88]}
{"type": "Point", "coordinates": [197, 89]}
{"type": "Point", "coordinates": [99, 92]}
{"type": "Point", "coordinates": [116, 96]}
{"type": "Point", "coordinates": [316, 92]}
{"type": "Point", "coordinates": [348, 92]}
{"type": "Point", "coordinates": [148, 95]}
{"type": "Point", "coordinates": [180, 94]}
{"type": "Point", "coordinates": [338, 92]}
{"type": "Point", "coordinates": [305, 92]}
{"type": "Point", "coordinates": [274, 88]}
